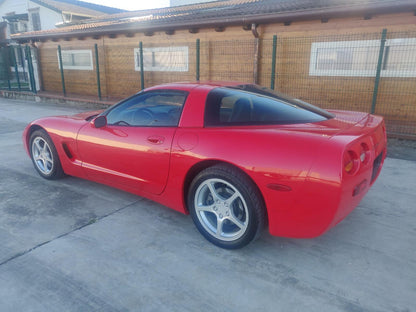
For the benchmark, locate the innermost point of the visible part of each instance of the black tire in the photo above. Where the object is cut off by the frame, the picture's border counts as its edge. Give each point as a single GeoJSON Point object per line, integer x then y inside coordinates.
{"type": "Point", "coordinates": [226, 207]}
{"type": "Point", "coordinates": [44, 155]}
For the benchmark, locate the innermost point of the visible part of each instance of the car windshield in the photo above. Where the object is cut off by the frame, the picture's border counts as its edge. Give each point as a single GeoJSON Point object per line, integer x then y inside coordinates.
{"type": "Point", "coordinates": [254, 105]}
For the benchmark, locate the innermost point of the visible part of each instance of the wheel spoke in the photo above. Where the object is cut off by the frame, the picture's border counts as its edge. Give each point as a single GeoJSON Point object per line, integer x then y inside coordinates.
{"type": "Point", "coordinates": [213, 191]}
{"type": "Point", "coordinates": [232, 198]}
{"type": "Point", "coordinates": [48, 164]}
{"type": "Point", "coordinates": [220, 223]}
{"type": "Point", "coordinates": [38, 147]}
{"type": "Point", "coordinates": [48, 158]}
{"type": "Point", "coordinates": [43, 164]}
{"type": "Point", "coordinates": [205, 208]}
{"type": "Point", "coordinates": [45, 147]}
{"type": "Point", "coordinates": [237, 222]}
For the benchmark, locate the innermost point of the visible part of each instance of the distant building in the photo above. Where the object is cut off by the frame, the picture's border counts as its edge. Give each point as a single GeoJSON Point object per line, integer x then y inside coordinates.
{"type": "Point", "coordinates": [20, 16]}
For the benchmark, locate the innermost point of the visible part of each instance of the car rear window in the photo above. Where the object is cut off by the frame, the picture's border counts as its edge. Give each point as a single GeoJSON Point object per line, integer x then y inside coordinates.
{"type": "Point", "coordinates": [253, 105]}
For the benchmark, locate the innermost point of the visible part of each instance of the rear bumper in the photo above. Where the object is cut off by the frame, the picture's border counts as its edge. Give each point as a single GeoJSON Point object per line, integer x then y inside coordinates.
{"type": "Point", "coordinates": [354, 191]}
{"type": "Point", "coordinates": [328, 194]}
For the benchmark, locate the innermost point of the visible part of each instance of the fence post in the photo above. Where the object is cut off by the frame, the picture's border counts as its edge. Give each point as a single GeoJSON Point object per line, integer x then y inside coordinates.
{"type": "Point", "coordinates": [22, 58]}
{"type": "Point", "coordinates": [198, 49]}
{"type": "Point", "coordinates": [272, 78]}
{"type": "Point", "coordinates": [380, 61]}
{"type": "Point", "coordinates": [62, 70]}
{"type": "Point", "coordinates": [16, 69]}
{"type": "Point", "coordinates": [141, 66]}
{"type": "Point", "coordinates": [31, 70]}
{"type": "Point", "coordinates": [8, 67]}
{"type": "Point", "coordinates": [256, 60]}
{"type": "Point", "coordinates": [97, 68]}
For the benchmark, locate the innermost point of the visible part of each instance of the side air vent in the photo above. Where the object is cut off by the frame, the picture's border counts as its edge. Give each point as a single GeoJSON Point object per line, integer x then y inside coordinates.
{"type": "Point", "coordinates": [67, 151]}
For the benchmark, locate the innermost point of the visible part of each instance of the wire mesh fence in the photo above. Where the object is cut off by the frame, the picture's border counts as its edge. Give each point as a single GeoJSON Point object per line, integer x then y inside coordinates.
{"type": "Point", "coordinates": [370, 72]}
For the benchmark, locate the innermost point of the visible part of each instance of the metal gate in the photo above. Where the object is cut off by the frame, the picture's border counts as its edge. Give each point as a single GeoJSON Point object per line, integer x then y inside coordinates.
{"type": "Point", "coordinates": [18, 68]}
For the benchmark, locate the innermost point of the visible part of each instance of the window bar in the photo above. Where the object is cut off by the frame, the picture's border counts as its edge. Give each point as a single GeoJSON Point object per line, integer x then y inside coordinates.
{"type": "Point", "coordinates": [386, 57]}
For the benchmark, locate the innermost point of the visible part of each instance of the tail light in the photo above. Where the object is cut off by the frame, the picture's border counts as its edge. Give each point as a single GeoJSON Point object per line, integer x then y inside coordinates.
{"type": "Point", "coordinates": [351, 162]}
{"type": "Point", "coordinates": [364, 153]}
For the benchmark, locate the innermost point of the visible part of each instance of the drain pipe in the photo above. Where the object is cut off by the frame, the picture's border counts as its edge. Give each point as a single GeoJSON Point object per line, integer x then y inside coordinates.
{"type": "Point", "coordinates": [256, 53]}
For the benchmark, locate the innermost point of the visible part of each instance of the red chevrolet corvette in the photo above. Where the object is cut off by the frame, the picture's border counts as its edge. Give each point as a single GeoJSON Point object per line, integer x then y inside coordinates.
{"type": "Point", "coordinates": [237, 157]}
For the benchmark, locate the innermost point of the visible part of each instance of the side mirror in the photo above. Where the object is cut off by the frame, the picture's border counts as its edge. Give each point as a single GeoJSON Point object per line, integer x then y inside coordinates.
{"type": "Point", "coordinates": [100, 121]}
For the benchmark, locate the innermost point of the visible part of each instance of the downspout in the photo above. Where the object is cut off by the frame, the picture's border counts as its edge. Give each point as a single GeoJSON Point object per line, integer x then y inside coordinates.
{"type": "Point", "coordinates": [256, 53]}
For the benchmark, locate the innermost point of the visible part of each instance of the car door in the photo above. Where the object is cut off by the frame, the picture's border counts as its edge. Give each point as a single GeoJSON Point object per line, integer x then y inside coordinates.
{"type": "Point", "coordinates": [132, 150]}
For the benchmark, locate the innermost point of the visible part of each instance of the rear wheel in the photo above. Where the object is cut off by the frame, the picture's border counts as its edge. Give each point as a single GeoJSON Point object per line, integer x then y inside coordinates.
{"type": "Point", "coordinates": [226, 207]}
{"type": "Point", "coordinates": [44, 155]}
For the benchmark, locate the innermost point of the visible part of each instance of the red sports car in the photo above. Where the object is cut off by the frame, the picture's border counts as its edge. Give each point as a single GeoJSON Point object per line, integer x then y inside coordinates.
{"type": "Point", "coordinates": [237, 157]}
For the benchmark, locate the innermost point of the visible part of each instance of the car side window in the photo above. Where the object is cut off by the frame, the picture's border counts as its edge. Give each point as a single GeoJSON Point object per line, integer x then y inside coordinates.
{"type": "Point", "coordinates": [228, 107]}
{"type": "Point", "coordinates": [161, 108]}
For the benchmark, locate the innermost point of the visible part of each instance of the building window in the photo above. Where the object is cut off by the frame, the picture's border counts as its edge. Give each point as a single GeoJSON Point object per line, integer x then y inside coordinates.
{"type": "Point", "coordinates": [23, 26]}
{"type": "Point", "coordinates": [77, 59]}
{"type": "Point", "coordinates": [13, 27]}
{"type": "Point", "coordinates": [360, 58]}
{"type": "Point", "coordinates": [35, 18]}
{"type": "Point", "coordinates": [18, 27]}
{"type": "Point", "coordinates": [163, 59]}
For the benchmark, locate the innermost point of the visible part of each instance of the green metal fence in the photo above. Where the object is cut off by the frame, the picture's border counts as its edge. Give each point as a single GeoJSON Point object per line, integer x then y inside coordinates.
{"type": "Point", "coordinates": [17, 69]}
{"type": "Point", "coordinates": [370, 72]}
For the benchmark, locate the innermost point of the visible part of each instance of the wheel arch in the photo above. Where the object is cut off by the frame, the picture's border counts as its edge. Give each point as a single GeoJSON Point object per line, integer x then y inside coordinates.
{"type": "Point", "coordinates": [29, 132]}
{"type": "Point", "coordinates": [202, 165]}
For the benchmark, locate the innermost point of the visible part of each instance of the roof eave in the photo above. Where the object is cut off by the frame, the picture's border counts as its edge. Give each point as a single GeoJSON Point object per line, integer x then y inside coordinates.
{"type": "Point", "coordinates": [381, 8]}
{"type": "Point", "coordinates": [46, 6]}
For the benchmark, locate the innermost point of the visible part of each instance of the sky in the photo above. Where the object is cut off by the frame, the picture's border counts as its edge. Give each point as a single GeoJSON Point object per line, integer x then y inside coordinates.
{"type": "Point", "coordinates": [132, 5]}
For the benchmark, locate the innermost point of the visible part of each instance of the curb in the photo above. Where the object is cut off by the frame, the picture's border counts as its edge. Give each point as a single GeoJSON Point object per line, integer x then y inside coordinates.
{"type": "Point", "coordinates": [56, 99]}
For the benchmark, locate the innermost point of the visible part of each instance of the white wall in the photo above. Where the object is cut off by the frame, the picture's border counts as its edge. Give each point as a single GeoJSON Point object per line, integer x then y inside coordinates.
{"type": "Point", "coordinates": [48, 18]}
{"type": "Point", "coordinates": [9, 6]}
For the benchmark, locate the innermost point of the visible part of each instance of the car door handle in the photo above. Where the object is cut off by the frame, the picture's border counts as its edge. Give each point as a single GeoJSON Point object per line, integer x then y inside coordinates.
{"type": "Point", "coordinates": [156, 139]}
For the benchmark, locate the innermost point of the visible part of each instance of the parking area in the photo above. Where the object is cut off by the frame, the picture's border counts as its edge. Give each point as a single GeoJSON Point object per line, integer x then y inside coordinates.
{"type": "Point", "coordinates": [74, 245]}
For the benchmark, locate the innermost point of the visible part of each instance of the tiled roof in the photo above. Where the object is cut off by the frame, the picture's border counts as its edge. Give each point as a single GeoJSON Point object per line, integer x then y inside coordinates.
{"type": "Point", "coordinates": [221, 13]}
{"type": "Point", "coordinates": [78, 7]}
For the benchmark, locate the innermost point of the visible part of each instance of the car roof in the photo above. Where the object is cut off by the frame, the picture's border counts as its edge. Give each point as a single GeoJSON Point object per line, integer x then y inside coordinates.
{"type": "Point", "coordinates": [191, 85]}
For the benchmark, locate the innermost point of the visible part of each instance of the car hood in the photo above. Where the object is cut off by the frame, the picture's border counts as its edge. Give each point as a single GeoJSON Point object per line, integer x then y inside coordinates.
{"type": "Point", "coordinates": [85, 115]}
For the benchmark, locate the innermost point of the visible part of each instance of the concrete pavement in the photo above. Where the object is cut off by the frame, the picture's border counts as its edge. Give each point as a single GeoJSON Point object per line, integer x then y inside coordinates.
{"type": "Point", "coordinates": [74, 245]}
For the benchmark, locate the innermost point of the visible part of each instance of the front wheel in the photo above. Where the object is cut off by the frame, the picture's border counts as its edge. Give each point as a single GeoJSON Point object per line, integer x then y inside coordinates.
{"type": "Point", "coordinates": [226, 207]}
{"type": "Point", "coordinates": [44, 155]}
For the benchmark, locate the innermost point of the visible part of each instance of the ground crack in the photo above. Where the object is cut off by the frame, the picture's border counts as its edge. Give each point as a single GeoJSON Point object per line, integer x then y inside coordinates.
{"type": "Point", "coordinates": [20, 254]}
